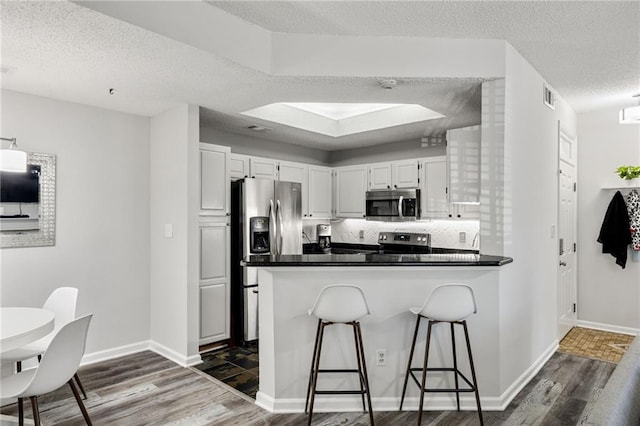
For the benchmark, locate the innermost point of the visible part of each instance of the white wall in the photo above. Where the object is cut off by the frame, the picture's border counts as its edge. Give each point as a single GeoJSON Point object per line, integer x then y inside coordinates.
{"type": "Point", "coordinates": [263, 148]}
{"type": "Point", "coordinates": [102, 216]}
{"type": "Point", "coordinates": [607, 295]}
{"type": "Point", "coordinates": [173, 276]}
{"type": "Point", "coordinates": [530, 212]}
{"type": "Point", "coordinates": [400, 150]}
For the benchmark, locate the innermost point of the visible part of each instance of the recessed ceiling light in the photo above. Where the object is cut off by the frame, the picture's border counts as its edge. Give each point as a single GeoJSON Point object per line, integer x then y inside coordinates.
{"type": "Point", "coordinates": [341, 119]}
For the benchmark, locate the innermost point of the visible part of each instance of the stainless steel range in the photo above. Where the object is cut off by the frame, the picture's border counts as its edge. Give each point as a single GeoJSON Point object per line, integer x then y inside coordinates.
{"type": "Point", "coordinates": [405, 242]}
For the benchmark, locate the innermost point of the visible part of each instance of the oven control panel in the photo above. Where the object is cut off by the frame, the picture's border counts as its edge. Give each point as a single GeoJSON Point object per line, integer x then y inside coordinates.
{"type": "Point", "coordinates": [405, 238]}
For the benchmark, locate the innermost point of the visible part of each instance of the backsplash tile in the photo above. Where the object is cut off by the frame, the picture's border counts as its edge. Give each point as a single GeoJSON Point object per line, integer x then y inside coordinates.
{"type": "Point", "coordinates": [444, 233]}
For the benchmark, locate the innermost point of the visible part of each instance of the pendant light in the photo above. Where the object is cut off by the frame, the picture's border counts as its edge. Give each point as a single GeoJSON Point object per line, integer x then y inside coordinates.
{"type": "Point", "coordinates": [12, 159]}
{"type": "Point", "coordinates": [631, 115]}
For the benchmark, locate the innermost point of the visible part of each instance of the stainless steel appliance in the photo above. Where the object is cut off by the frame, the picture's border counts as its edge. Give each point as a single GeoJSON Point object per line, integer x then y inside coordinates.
{"type": "Point", "coordinates": [393, 206]}
{"type": "Point", "coordinates": [323, 232]}
{"type": "Point", "coordinates": [266, 219]}
{"type": "Point", "coordinates": [405, 242]}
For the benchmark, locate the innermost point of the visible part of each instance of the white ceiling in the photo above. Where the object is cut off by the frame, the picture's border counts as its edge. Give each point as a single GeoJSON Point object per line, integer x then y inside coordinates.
{"type": "Point", "coordinates": [588, 51]}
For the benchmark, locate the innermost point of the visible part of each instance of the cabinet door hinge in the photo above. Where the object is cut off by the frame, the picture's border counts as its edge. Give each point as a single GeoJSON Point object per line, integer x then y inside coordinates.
{"type": "Point", "coordinates": [574, 308]}
{"type": "Point", "coordinates": [575, 186]}
{"type": "Point", "coordinates": [575, 248]}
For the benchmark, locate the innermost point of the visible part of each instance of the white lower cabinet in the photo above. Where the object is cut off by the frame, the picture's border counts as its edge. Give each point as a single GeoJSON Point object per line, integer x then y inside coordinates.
{"type": "Point", "coordinates": [215, 294]}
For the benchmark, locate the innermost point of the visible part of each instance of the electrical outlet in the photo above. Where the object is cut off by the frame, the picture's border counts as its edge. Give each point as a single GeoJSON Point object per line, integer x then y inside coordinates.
{"type": "Point", "coordinates": [381, 357]}
{"type": "Point", "coordinates": [463, 237]}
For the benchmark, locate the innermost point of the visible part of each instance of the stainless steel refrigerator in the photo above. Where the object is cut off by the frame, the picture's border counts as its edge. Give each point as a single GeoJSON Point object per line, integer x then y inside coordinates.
{"type": "Point", "coordinates": [266, 219]}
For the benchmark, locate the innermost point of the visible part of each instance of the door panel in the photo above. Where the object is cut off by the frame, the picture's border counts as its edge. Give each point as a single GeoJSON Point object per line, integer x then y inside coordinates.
{"type": "Point", "coordinates": [214, 182]}
{"type": "Point", "coordinates": [214, 322]}
{"type": "Point", "coordinates": [380, 176]}
{"type": "Point", "coordinates": [567, 276]}
{"type": "Point", "coordinates": [213, 259]}
{"type": "Point", "coordinates": [405, 174]}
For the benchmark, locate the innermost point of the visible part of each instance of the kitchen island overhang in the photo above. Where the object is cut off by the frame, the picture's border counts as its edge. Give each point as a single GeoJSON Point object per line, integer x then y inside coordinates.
{"type": "Point", "coordinates": [287, 332]}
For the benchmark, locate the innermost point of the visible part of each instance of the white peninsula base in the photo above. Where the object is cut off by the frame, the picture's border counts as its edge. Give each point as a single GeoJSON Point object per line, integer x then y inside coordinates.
{"type": "Point", "coordinates": [287, 336]}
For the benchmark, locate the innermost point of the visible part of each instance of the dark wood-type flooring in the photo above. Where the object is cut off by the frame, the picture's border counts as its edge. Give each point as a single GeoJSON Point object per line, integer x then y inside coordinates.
{"type": "Point", "coordinates": [147, 389]}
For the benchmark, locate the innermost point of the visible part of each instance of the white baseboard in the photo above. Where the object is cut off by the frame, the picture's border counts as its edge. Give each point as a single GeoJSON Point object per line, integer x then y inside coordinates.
{"type": "Point", "coordinates": [515, 388]}
{"type": "Point", "coordinates": [174, 356]}
{"type": "Point", "coordinates": [147, 345]}
{"type": "Point", "coordinates": [608, 327]}
{"type": "Point", "coordinates": [432, 402]}
{"type": "Point", "coordinates": [116, 352]}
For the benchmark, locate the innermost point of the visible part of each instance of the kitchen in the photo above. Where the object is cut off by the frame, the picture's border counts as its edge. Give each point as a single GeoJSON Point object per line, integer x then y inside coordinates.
{"type": "Point", "coordinates": [440, 209]}
{"type": "Point", "coordinates": [168, 282]}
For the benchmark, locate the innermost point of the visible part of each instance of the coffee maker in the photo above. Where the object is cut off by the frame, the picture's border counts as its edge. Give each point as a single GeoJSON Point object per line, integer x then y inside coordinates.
{"type": "Point", "coordinates": [324, 238]}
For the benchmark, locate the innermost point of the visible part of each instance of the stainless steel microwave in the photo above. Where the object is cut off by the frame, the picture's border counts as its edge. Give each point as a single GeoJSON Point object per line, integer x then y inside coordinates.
{"type": "Point", "coordinates": [393, 206]}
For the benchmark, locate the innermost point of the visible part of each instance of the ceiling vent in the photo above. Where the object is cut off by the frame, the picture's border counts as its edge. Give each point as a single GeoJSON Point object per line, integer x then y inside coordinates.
{"type": "Point", "coordinates": [257, 128]}
{"type": "Point", "coordinates": [549, 99]}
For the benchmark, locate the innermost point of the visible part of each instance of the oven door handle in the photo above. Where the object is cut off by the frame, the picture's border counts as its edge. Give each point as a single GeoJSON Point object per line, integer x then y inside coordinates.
{"type": "Point", "coordinates": [400, 201]}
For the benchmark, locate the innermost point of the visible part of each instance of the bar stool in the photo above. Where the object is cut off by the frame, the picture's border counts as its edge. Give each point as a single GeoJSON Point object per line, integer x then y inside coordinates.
{"type": "Point", "coordinates": [450, 303]}
{"type": "Point", "coordinates": [339, 304]}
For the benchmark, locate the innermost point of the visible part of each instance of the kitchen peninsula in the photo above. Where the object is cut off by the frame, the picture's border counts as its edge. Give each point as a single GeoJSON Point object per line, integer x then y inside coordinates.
{"type": "Point", "coordinates": [289, 284]}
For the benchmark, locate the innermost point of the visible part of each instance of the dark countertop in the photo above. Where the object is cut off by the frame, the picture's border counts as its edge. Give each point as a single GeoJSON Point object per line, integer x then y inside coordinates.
{"type": "Point", "coordinates": [306, 260]}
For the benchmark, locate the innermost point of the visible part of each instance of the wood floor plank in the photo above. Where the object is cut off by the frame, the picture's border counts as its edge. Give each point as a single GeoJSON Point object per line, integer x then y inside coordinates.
{"type": "Point", "coordinates": [146, 389]}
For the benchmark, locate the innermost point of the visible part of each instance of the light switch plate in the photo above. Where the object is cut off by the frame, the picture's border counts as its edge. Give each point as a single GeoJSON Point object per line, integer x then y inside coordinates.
{"type": "Point", "coordinates": [168, 230]}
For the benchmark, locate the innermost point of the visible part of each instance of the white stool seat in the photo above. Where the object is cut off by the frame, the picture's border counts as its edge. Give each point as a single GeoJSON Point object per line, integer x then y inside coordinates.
{"type": "Point", "coordinates": [448, 302]}
{"type": "Point", "coordinates": [341, 303]}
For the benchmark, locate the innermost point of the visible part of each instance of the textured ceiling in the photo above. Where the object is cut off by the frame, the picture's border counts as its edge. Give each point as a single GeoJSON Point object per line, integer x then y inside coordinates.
{"type": "Point", "coordinates": [586, 50]}
{"type": "Point", "coordinates": [68, 51]}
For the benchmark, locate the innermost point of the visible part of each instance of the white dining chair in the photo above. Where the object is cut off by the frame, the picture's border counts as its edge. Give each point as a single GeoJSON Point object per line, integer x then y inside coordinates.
{"type": "Point", "coordinates": [62, 302]}
{"type": "Point", "coordinates": [58, 365]}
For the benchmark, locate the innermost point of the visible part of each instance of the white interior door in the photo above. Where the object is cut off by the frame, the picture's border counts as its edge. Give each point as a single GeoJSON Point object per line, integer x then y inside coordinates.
{"type": "Point", "coordinates": [567, 263]}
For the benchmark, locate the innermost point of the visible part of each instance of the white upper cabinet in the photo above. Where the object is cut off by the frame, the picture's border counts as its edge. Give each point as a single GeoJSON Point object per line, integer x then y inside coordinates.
{"type": "Point", "coordinates": [404, 174]}
{"type": "Point", "coordinates": [351, 185]}
{"type": "Point", "coordinates": [380, 176]}
{"type": "Point", "coordinates": [238, 166]}
{"type": "Point", "coordinates": [263, 168]}
{"type": "Point", "coordinates": [296, 172]}
{"type": "Point", "coordinates": [320, 192]}
{"type": "Point", "coordinates": [316, 187]}
{"type": "Point", "coordinates": [393, 175]}
{"type": "Point", "coordinates": [434, 201]}
{"type": "Point", "coordinates": [463, 155]}
{"type": "Point", "coordinates": [292, 172]}
{"type": "Point", "coordinates": [214, 180]}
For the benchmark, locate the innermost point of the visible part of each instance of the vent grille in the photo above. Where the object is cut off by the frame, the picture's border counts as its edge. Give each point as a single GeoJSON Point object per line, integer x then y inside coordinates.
{"type": "Point", "coordinates": [548, 98]}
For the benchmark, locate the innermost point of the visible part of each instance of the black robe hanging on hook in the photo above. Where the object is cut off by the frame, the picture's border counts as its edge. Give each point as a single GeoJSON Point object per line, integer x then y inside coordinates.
{"type": "Point", "coordinates": [615, 234]}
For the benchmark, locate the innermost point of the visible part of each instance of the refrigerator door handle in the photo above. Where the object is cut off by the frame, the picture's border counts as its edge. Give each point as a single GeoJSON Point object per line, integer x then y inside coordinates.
{"type": "Point", "coordinates": [280, 226]}
{"type": "Point", "coordinates": [272, 228]}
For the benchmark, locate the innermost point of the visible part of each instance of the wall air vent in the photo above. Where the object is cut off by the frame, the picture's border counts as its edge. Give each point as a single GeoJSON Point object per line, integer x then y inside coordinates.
{"type": "Point", "coordinates": [549, 99]}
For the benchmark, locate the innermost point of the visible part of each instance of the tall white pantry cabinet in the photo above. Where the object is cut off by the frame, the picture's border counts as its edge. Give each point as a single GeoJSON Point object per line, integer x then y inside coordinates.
{"type": "Point", "coordinates": [214, 224]}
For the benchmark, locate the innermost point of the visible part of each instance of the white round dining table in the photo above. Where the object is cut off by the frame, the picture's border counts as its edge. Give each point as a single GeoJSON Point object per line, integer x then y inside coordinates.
{"type": "Point", "coordinates": [21, 326]}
